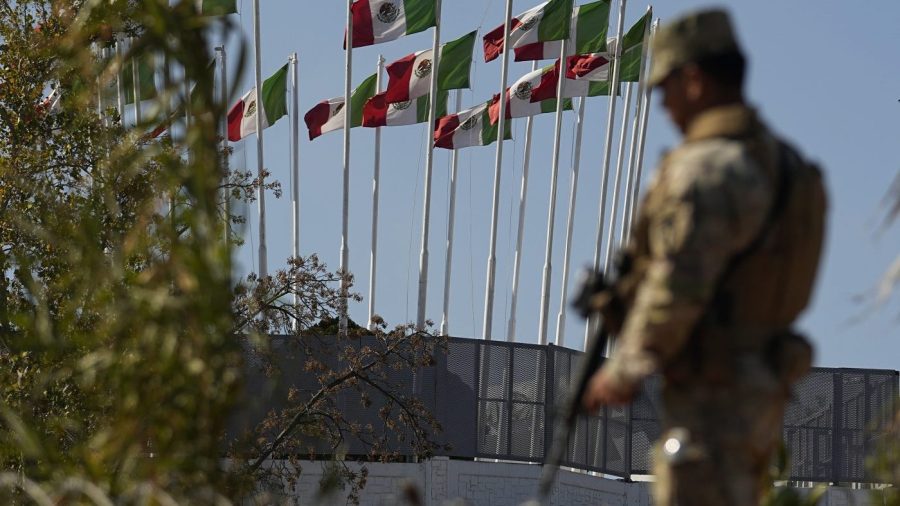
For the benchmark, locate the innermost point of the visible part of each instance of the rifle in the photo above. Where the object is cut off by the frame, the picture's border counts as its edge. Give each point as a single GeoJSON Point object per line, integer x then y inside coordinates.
{"type": "Point", "coordinates": [591, 282]}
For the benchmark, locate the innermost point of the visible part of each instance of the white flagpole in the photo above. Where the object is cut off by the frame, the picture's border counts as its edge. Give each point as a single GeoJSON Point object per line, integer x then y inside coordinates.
{"type": "Point", "coordinates": [551, 209]}
{"type": "Point", "coordinates": [523, 194]}
{"type": "Point", "coordinates": [376, 176]}
{"type": "Point", "coordinates": [223, 98]}
{"type": "Point", "coordinates": [136, 84]}
{"type": "Point", "coordinates": [620, 161]}
{"type": "Point", "coordinates": [429, 164]}
{"type": "Point", "coordinates": [187, 109]}
{"type": "Point", "coordinates": [495, 202]}
{"type": "Point", "coordinates": [451, 218]}
{"type": "Point", "coordinates": [345, 217]}
{"type": "Point", "coordinates": [636, 189]}
{"type": "Point", "coordinates": [101, 53]}
{"type": "Point", "coordinates": [570, 224]}
{"type": "Point", "coordinates": [260, 169]}
{"type": "Point", "coordinates": [607, 150]}
{"type": "Point", "coordinates": [295, 168]}
{"type": "Point", "coordinates": [120, 84]}
{"type": "Point", "coordinates": [635, 134]}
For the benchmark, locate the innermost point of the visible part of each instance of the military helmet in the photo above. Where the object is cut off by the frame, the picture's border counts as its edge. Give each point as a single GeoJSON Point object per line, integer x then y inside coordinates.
{"type": "Point", "coordinates": [689, 39]}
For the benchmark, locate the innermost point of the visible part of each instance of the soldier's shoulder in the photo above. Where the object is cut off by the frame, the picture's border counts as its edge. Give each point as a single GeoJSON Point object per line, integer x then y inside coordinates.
{"type": "Point", "coordinates": [713, 166]}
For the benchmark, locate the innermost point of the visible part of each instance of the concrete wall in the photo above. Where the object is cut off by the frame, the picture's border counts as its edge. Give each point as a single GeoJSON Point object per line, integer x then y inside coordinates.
{"type": "Point", "coordinates": [444, 482]}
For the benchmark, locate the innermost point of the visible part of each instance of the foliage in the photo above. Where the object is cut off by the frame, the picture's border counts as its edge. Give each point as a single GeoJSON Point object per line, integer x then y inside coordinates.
{"type": "Point", "coordinates": [122, 335]}
{"type": "Point", "coordinates": [116, 363]}
{"type": "Point", "coordinates": [324, 374]}
{"type": "Point", "coordinates": [786, 495]}
{"type": "Point", "coordinates": [886, 464]}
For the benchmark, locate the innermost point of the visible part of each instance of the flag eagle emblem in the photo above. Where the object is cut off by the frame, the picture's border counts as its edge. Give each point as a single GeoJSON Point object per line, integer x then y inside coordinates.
{"type": "Point", "coordinates": [528, 24]}
{"type": "Point", "coordinates": [423, 68]}
{"type": "Point", "coordinates": [388, 12]}
{"type": "Point", "coordinates": [399, 106]}
{"type": "Point", "coordinates": [523, 91]}
{"type": "Point", "coordinates": [470, 123]}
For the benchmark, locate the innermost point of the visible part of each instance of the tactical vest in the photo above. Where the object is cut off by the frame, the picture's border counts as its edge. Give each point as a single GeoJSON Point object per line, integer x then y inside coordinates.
{"type": "Point", "coordinates": [766, 285]}
{"type": "Point", "coordinates": [775, 274]}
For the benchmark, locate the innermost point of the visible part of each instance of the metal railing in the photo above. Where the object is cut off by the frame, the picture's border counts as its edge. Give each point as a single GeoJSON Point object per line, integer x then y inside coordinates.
{"type": "Point", "coordinates": [496, 400]}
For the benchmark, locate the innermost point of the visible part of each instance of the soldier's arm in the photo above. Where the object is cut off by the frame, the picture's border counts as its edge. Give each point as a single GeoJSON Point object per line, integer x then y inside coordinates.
{"type": "Point", "coordinates": [708, 213]}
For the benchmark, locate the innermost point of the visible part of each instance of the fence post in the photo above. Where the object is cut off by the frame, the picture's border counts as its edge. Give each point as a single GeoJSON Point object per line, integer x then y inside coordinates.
{"type": "Point", "coordinates": [549, 400]}
{"type": "Point", "coordinates": [509, 402]}
{"type": "Point", "coordinates": [837, 411]}
{"type": "Point", "coordinates": [477, 409]}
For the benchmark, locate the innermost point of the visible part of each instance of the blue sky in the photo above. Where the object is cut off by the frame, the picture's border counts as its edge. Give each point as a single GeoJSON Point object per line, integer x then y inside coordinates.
{"type": "Point", "coordinates": [824, 74]}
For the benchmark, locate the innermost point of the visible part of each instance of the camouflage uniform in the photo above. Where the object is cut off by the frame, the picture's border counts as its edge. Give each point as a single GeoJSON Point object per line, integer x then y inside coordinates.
{"type": "Point", "coordinates": [723, 402]}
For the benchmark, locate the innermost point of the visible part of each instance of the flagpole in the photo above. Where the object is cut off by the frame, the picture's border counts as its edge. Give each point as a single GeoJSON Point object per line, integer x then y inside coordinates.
{"type": "Point", "coordinates": [570, 224]}
{"type": "Point", "coordinates": [640, 164]}
{"type": "Point", "coordinates": [451, 219]}
{"type": "Point", "coordinates": [635, 133]}
{"type": "Point", "coordinates": [620, 160]}
{"type": "Point", "coordinates": [120, 85]}
{"type": "Point", "coordinates": [260, 169]}
{"type": "Point", "coordinates": [295, 170]}
{"type": "Point", "coordinates": [610, 124]}
{"type": "Point", "coordinates": [551, 209]}
{"type": "Point", "coordinates": [645, 118]}
{"type": "Point", "coordinates": [429, 164]}
{"type": "Point", "coordinates": [187, 110]}
{"type": "Point", "coordinates": [98, 53]}
{"type": "Point", "coordinates": [523, 194]}
{"type": "Point", "coordinates": [495, 202]}
{"type": "Point", "coordinates": [223, 98]}
{"type": "Point", "coordinates": [136, 84]}
{"type": "Point", "coordinates": [345, 217]}
{"type": "Point", "coordinates": [376, 175]}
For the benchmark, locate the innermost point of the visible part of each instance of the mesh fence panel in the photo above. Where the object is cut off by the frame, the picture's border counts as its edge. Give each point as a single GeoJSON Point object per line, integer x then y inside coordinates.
{"type": "Point", "coordinates": [498, 399]}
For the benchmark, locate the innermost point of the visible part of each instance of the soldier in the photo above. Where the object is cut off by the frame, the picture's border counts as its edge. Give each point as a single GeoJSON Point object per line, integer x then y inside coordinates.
{"type": "Point", "coordinates": [721, 261]}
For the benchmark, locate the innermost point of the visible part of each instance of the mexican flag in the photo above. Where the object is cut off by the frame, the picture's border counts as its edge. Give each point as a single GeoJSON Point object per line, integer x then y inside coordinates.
{"type": "Point", "coordinates": [548, 21]}
{"type": "Point", "coordinates": [588, 67]}
{"type": "Point", "coordinates": [242, 116]}
{"type": "Point", "coordinates": [545, 87]}
{"type": "Point", "coordinates": [632, 48]}
{"type": "Point", "coordinates": [587, 35]}
{"type": "Point", "coordinates": [410, 76]}
{"type": "Point", "coordinates": [379, 112]}
{"type": "Point", "coordinates": [328, 115]}
{"type": "Point", "coordinates": [518, 98]}
{"type": "Point", "coordinates": [376, 21]}
{"type": "Point", "coordinates": [50, 103]}
{"type": "Point", "coordinates": [216, 7]}
{"type": "Point", "coordinates": [146, 83]}
{"type": "Point", "coordinates": [471, 127]}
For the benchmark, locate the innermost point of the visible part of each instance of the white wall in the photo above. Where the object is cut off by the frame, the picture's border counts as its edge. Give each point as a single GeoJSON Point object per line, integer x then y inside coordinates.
{"type": "Point", "coordinates": [443, 482]}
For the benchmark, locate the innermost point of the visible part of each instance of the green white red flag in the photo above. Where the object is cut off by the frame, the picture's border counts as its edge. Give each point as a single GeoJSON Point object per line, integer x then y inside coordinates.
{"type": "Point", "coordinates": [632, 49]}
{"type": "Point", "coordinates": [377, 21]}
{"type": "Point", "coordinates": [328, 115]}
{"type": "Point", "coordinates": [216, 7]}
{"type": "Point", "coordinates": [379, 112]}
{"type": "Point", "coordinates": [146, 82]}
{"type": "Point", "coordinates": [242, 116]}
{"type": "Point", "coordinates": [410, 76]}
{"type": "Point", "coordinates": [589, 25]}
{"type": "Point", "coordinates": [471, 127]}
{"type": "Point", "coordinates": [588, 67]}
{"type": "Point", "coordinates": [548, 21]}
{"type": "Point", "coordinates": [518, 98]}
{"type": "Point", "coordinates": [546, 88]}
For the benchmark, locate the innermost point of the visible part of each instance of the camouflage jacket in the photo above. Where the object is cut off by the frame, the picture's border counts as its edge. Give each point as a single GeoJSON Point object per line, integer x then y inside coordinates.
{"type": "Point", "coordinates": [708, 202]}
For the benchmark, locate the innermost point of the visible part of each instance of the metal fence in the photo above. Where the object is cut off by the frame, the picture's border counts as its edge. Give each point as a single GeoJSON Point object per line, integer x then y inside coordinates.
{"type": "Point", "coordinates": [496, 400]}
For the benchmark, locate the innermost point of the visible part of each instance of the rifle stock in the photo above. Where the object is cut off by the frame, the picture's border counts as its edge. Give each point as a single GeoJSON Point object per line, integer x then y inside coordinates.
{"type": "Point", "coordinates": [564, 421]}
